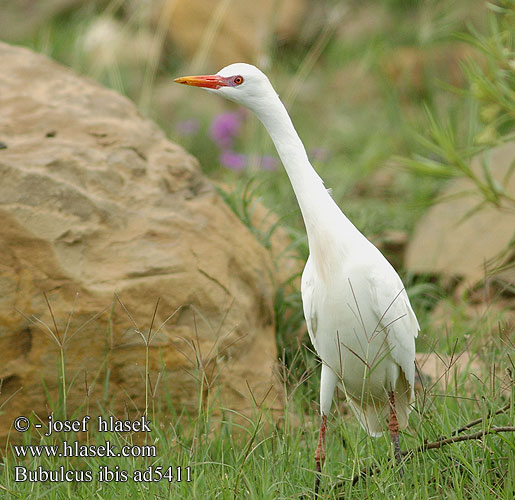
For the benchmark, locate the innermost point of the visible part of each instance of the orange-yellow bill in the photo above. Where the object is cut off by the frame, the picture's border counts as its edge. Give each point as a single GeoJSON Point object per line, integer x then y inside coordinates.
{"type": "Point", "coordinates": [205, 81]}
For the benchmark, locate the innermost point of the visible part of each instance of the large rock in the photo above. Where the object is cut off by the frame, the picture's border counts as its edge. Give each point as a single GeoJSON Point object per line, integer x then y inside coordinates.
{"type": "Point", "coordinates": [464, 236]}
{"type": "Point", "coordinates": [95, 200]}
{"type": "Point", "coordinates": [217, 33]}
{"type": "Point", "coordinates": [413, 70]}
{"type": "Point", "coordinates": [22, 18]}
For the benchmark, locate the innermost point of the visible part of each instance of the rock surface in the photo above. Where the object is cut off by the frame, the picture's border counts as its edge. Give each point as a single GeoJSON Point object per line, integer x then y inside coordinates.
{"type": "Point", "coordinates": [94, 200]}
{"type": "Point", "coordinates": [454, 239]}
{"type": "Point", "coordinates": [21, 18]}
{"type": "Point", "coordinates": [413, 69]}
{"type": "Point", "coordinates": [228, 31]}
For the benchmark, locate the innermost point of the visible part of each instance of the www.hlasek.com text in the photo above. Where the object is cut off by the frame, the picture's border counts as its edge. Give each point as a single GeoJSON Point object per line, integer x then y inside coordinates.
{"type": "Point", "coordinates": [75, 449]}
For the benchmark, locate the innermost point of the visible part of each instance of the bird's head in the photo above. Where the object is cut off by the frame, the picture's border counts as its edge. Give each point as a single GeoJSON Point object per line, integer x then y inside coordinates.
{"type": "Point", "coordinates": [240, 82]}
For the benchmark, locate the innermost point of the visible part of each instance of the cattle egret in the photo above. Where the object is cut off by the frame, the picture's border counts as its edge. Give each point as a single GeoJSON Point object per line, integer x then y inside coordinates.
{"type": "Point", "coordinates": [358, 314]}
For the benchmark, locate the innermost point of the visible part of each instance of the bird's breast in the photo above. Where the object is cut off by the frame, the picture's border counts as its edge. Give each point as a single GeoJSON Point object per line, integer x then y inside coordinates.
{"type": "Point", "coordinates": [346, 332]}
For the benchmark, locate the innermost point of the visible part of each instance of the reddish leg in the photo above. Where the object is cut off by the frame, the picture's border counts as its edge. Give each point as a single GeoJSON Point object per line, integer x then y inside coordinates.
{"type": "Point", "coordinates": [393, 427]}
{"type": "Point", "coordinates": [320, 452]}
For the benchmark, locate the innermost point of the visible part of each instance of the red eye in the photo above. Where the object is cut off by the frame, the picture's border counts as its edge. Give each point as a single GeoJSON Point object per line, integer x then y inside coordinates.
{"type": "Point", "coordinates": [238, 80]}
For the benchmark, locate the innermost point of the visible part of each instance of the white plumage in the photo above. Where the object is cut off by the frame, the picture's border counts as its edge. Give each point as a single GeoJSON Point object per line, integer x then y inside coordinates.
{"type": "Point", "coordinates": [358, 314]}
{"type": "Point", "coordinates": [363, 328]}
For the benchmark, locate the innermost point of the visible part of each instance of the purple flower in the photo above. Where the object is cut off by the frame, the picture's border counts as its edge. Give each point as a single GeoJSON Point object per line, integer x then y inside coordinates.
{"type": "Point", "coordinates": [232, 160]}
{"type": "Point", "coordinates": [188, 127]}
{"type": "Point", "coordinates": [224, 129]}
{"type": "Point", "coordinates": [268, 162]}
{"type": "Point", "coordinates": [319, 154]}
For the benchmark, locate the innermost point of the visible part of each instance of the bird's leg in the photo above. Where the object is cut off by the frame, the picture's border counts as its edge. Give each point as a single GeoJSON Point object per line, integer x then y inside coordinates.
{"type": "Point", "coordinates": [393, 427]}
{"type": "Point", "coordinates": [320, 452]}
{"type": "Point", "coordinates": [328, 381]}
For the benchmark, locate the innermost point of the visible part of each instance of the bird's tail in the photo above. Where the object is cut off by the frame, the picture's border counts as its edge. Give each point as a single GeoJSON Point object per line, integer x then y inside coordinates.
{"type": "Point", "coordinates": [371, 418]}
{"type": "Point", "coordinates": [373, 415]}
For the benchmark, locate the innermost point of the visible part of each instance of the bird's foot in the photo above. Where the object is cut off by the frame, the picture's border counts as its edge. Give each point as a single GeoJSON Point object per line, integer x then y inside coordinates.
{"type": "Point", "coordinates": [317, 483]}
{"type": "Point", "coordinates": [320, 454]}
{"type": "Point", "coordinates": [319, 460]}
{"type": "Point", "coordinates": [397, 449]}
{"type": "Point", "coordinates": [393, 427]}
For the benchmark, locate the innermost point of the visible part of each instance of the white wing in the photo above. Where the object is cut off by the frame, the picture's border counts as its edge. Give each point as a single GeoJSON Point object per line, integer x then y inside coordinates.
{"type": "Point", "coordinates": [307, 292]}
{"type": "Point", "coordinates": [394, 313]}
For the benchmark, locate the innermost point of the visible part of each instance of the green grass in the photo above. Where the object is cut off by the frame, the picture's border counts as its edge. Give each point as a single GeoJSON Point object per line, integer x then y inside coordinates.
{"type": "Point", "coordinates": [260, 457]}
{"type": "Point", "coordinates": [365, 121]}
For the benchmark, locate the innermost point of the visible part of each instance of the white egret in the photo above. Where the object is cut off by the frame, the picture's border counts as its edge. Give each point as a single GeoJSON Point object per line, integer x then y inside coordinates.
{"type": "Point", "coordinates": [358, 314]}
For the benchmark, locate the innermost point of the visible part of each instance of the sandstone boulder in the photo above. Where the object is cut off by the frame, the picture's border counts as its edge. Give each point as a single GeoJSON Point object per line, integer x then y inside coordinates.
{"type": "Point", "coordinates": [94, 200]}
{"type": "Point", "coordinates": [229, 31]}
{"type": "Point", "coordinates": [463, 236]}
{"type": "Point", "coordinates": [413, 70]}
{"type": "Point", "coordinates": [22, 18]}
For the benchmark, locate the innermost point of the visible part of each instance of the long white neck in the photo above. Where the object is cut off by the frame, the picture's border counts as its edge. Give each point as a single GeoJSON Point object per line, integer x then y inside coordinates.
{"type": "Point", "coordinates": [326, 225]}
